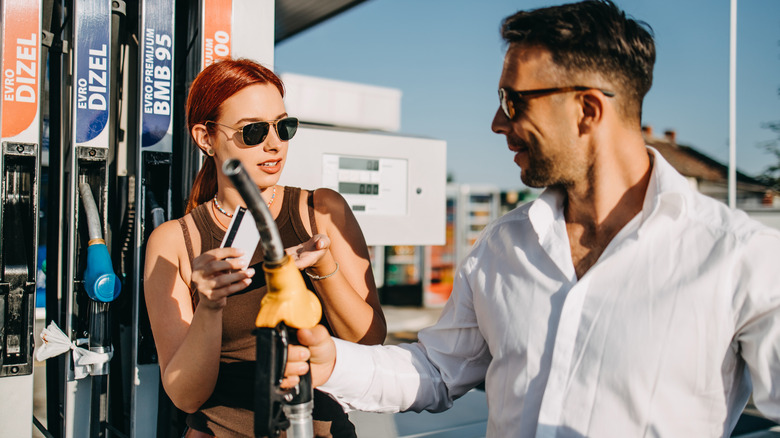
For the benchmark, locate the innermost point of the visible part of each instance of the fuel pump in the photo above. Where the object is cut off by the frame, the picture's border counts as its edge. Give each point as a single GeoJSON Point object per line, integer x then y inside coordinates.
{"type": "Point", "coordinates": [19, 181]}
{"type": "Point", "coordinates": [287, 306]}
{"type": "Point", "coordinates": [89, 287]}
{"type": "Point", "coordinates": [152, 147]}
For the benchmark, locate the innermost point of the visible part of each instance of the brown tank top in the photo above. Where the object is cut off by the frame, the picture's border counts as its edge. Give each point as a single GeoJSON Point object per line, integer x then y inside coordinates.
{"type": "Point", "coordinates": [228, 412]}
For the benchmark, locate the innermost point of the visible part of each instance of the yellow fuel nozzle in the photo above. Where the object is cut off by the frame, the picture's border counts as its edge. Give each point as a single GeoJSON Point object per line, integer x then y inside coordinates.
{"type": "Point", "coordinates": [287, 300]}
{"type": "Point", "coordinates": [287, 304]}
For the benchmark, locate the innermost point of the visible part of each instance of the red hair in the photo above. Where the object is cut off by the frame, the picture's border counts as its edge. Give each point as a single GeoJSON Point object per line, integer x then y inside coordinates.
{"type": "Point", "coordinates": [211, 87]}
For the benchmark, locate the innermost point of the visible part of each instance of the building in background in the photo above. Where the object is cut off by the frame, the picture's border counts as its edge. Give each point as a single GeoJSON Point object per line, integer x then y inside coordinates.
{"type": "Point", "coordinates": [707, 175]}
{"type": "Point", "coordinates": [710, 177]}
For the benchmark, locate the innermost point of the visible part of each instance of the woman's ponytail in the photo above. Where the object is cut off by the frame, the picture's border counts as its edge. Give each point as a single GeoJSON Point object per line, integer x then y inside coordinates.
{"type": "Point", "coordinates": [205, 185]}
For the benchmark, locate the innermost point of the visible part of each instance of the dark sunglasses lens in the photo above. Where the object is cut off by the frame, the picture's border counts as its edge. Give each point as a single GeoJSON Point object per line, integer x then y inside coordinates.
{"type": "Point", "coordinates": [254, 133]}
{"type": "Point", "coordinates": [286, 128]}
{"type": "Point", "coordinates": [506, 103]}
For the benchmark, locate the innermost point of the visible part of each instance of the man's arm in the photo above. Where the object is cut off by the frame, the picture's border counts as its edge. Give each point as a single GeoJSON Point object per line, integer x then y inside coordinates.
{"type": "Point", "coordinates": [451, 358]}
{"type": "Point", "coordinates": [758, 324]}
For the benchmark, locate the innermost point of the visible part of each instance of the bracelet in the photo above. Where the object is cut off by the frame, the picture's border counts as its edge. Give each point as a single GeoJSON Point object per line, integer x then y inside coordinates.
{"type": "Point", "coordinates": [317, 277]}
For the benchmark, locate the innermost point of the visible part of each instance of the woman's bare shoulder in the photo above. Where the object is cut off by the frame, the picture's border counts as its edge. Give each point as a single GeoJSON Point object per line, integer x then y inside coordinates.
{"type": "Point", "coordinates": [166, 251]}
{"type": "Point", "coordinates": [166, 236]}
{"type": "Point", "coordinates": [328, 200]}
{"type": "Point", "coordinates": [167, 241]}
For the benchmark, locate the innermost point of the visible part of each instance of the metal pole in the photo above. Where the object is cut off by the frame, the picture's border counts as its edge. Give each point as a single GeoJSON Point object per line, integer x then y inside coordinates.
{"type": "Point", "coordinates": [732, 178]}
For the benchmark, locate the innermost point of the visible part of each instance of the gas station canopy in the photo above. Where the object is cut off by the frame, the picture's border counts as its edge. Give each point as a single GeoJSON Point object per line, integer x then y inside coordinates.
{"type": "Point", "coordinates": [294, 16]}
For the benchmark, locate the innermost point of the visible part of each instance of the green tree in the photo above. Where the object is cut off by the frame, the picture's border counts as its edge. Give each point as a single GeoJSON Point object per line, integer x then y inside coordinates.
{"type": "Point", "coordinates": [771, 175]}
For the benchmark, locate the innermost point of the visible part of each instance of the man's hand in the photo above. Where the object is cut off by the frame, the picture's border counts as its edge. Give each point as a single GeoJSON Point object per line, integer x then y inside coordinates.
{"type": "Point", "coordinates": [321, 354]}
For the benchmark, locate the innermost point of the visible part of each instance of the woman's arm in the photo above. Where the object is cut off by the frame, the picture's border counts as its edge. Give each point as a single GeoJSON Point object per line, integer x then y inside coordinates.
{"type": "Point", "coordinates": [188, 343]}
{"type": "Point", "coordinates": [350, 298]}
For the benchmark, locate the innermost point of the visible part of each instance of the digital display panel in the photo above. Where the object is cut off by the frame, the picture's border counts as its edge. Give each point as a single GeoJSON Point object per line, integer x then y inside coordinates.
{"type": "Point", "coordinates": [351, 163]}
{"type": "Point", "coordinates": [373, 186]}
{"type": "Point", "coordinates": [358, 188]}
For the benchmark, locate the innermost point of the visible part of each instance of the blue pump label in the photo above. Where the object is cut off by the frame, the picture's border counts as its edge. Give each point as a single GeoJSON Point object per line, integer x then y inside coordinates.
{"type": "Point", "coordinates": [92, 70]}
{"type": "Point", "coordinates": [157, 73]}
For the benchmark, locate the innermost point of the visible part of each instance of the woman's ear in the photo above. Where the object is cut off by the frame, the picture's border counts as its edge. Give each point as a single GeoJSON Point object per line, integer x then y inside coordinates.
{"type": "Point", "coordinates": [202, 138]}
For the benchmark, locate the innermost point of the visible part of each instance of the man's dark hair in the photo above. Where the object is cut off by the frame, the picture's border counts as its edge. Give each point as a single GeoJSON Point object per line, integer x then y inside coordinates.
{"type": "Point", "coordinates": [592, 36]}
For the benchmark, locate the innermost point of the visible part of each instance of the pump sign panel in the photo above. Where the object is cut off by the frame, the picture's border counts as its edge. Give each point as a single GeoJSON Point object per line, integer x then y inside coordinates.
{"type": "Point", "coordinates": [373, 186]}
{"type": "Point", "coordinates": [93, 39]}
{"type": "Point", "coordinates": [217, 27]}
{"type": "Point", "coordinates": [21, 57]}
{"type": "Point", "coordinates": [157, 71]}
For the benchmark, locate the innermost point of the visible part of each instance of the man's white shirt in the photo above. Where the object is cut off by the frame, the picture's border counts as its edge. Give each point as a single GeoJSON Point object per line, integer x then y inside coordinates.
{"type": "Point", "coordinates": [661, 337]}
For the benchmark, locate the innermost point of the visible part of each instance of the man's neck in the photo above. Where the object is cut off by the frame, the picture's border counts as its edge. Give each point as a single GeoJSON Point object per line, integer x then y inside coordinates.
{"type": "Point", "coordinates": [599, 207]}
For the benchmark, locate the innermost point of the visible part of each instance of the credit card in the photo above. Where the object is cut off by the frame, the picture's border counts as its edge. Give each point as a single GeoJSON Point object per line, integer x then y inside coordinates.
{"type": "Point", "coordinates": [242, 233]}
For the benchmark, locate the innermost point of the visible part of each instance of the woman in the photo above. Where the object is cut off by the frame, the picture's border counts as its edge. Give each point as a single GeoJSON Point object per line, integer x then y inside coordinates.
{"type": "Point", "coordinates": [202, 300]}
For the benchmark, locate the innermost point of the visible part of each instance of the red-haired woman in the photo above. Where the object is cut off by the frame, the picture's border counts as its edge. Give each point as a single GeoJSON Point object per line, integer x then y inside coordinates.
{"type": "Point", "coordinates": [202, 300]}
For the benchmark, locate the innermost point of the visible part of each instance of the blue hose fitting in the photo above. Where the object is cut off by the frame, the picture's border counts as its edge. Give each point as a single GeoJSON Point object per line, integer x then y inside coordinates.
{"type": "Point", "coordinates": [100, 281]}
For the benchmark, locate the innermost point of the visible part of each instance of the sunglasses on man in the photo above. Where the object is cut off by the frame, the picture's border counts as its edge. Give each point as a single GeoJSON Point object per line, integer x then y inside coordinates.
{"type": "Point", "coordinates": [511, 99]}
{"type": "Point", "coordinates": [255, 133]}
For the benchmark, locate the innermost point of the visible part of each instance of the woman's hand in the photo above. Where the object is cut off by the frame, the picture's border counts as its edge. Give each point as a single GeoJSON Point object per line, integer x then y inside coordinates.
{"type": "Point", "coordinates": [219, 273]}
{"type": "Point", "coordinates": [310, 252]}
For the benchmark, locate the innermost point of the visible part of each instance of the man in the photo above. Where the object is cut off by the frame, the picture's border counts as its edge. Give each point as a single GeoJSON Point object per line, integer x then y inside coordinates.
{"type": "Point", "coordinates": [621, 302]}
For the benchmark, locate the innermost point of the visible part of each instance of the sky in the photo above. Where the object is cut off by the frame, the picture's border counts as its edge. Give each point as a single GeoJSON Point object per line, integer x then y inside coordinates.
{"type": "Point", "coordinates": [446, 56]}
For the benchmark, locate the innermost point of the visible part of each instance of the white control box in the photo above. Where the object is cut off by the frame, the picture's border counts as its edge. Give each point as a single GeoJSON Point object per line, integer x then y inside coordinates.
{"type": "Point", "coordinates": [395, 185]}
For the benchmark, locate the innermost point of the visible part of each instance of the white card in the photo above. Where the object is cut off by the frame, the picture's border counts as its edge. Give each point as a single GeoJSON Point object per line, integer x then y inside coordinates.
{"type": "Point", "coordinates": [242, 233]}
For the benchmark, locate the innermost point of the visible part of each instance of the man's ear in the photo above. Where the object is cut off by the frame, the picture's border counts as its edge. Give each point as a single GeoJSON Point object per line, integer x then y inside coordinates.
{"type": "Point", "coordinates": [202, 138]}
{"type": "Point", "coordinates": [592, 104]}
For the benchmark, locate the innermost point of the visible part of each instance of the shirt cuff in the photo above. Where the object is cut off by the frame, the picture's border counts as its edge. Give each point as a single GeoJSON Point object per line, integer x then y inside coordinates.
{"type": "Point", "coordinates": [352, 373]}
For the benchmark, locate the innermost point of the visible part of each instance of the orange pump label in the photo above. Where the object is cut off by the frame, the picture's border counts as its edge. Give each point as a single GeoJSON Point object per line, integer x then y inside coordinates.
{"type": "Point", "coordinates": [21, 65]}
{"type": "Point", "coordinates": [217, 29]}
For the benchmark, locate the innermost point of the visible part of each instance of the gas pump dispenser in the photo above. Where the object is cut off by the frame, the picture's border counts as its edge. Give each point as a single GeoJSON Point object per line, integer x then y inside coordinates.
{"type": "Point", "coordinates": [152, 147]}
{"type": "Point", "coordinates": [90, 284]}
{"type": "Point", "coordinates": [19, 181]}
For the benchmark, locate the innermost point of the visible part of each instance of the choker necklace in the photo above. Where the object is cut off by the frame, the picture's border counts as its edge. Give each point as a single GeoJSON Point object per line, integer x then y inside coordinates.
{"type": "Point", "coordinates": [222, 210]}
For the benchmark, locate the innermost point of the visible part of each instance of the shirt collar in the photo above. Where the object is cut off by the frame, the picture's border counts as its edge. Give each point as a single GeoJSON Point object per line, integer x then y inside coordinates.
{"type": "Point", "coordinates": [667, 190]}
{"type": "Point", "coordinates": [547, 210]}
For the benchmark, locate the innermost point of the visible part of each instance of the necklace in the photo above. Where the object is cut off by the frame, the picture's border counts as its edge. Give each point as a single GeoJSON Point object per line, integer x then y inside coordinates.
{"type": "Point", "coordinates": [222, 210]}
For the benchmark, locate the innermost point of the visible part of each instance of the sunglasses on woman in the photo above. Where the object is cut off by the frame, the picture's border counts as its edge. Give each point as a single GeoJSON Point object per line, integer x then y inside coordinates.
{"type": "Point", "coordinates": [255, 133]}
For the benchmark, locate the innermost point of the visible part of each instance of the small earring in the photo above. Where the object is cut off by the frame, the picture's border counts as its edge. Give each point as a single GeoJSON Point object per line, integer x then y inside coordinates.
{"type": "Point", "coordinates": [210, 152]}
